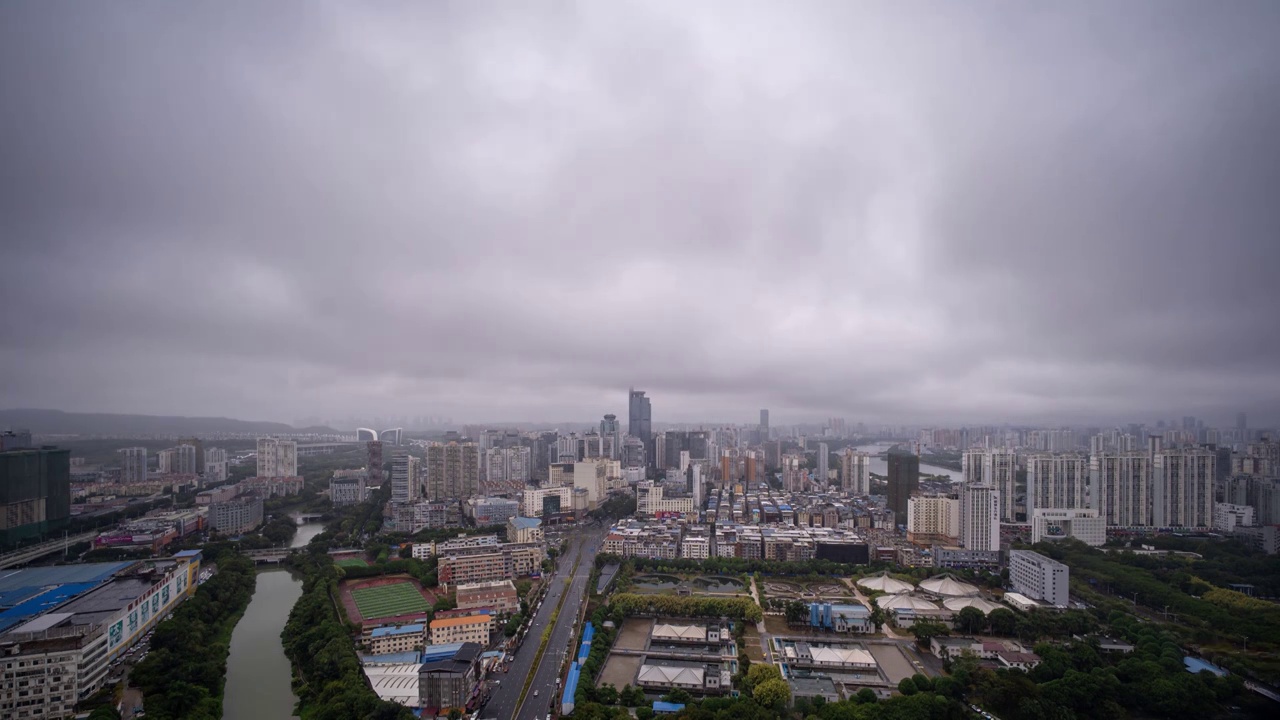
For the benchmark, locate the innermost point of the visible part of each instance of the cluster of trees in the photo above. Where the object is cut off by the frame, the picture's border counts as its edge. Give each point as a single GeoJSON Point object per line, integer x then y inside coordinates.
{"type": "Point", "coordinates": [738, 608]}
{"type": "Point", "coordinates": [329, 682]}
{"type": "Point", "coordinates": [765, 685]}
{"type": "Point", "coordinates": [184, 674]}
{"type": "Point", "coordinates": [1076, 680]}
{"type": "Point", "coordinates": [600, 644]}
{"type": "Point", "coordinates": [279, 531]}
{"type": "Point", "coordinates": [1170, 584]}
{"type": "Point", "coordinates": [617, 506]}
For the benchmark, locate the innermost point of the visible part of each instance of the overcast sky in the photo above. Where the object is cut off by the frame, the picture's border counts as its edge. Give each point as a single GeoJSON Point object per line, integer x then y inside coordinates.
{"type": "Point", "coordinates": [935, 212]}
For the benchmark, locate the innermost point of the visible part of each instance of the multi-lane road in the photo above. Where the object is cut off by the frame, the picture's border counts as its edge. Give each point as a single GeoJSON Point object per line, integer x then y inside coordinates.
{"type": "Point", "coordinates": [582, 544]}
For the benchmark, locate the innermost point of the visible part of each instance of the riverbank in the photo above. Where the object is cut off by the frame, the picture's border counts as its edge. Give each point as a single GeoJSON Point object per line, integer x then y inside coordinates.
{"type": "Point", "coordinates": [327, 677]}
{"type": "Point", "coordinates": [259, 676]}
{"type": "Point", "coordinates": [184, 674]}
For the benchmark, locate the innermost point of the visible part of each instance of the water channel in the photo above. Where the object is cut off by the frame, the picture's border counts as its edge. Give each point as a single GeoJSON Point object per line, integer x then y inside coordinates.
{"type": "Point", "coordinates": [258, 673]}
{"type": "Point", "coordinates": [880, 466]}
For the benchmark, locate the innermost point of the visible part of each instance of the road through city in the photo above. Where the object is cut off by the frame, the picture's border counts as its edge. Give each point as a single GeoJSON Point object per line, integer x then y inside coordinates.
{"type": "Point", "coordinates": [582, 544]}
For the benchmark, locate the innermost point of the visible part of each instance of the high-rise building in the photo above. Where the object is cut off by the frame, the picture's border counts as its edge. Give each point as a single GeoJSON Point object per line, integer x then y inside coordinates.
{"type": "Point", "coordinates": [277, 458]}
{"type": "Point", "coordinates": [1242, 423]}
{"type": "Point", "coordinates": [510, 468]}
{"type": "Point", "coordinates": [639, 416]}
{"type": "Point", "coordinates": [199, 446]}
{"type": "Point", "coordinates": [1057, 481]}
{"type": "Point", "coordinates": [215, 466]}
{"type": "Point", "coordinates": [633, 452]}
{"type": "Point", "coordinates": [824, 464]}
{"type": "Point", "coordinates": [134, 461]}
{"type": "Point", "coordinates": [611, 431]}
{"type": "Point", "coordinates": [764, 424]}
{"type": "Point", "coordinates": [933, 519]}
{"type": "Point", "coordinates": [453, 471]}
{"type": "Point", "coordinates": [374, 462]}
{"type": "Point", "coordinates": [904, 480]}
{"type": "Point", "coordinates": [980, 517]}
{"type": "Point", "coordinates": [35, 492]}
{"type": "Point", "coordinates": [1121, 487]}
{"type": "Point", "coordinates": [855, 472]}
{"type": "Point", "coordinates": [998, 468]}
{"type": "Point", "coordinates": [180, 460]}
{"type": "Point", "coordinates": [1182, 488]}
{"type": "Point", "coordinates": [404, 477]}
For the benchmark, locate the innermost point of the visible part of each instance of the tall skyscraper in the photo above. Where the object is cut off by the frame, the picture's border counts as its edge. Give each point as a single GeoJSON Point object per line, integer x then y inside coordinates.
{"type": "Point", "coordinates": [855, 472]}
{"type": "Point", "coordinates": [277, 458]}
{"type": "Point", "coordinates": [611, 431]}
{"type": "Point", "coordinates": [134, 462]}
{"type": "Point", "coordinates": [824, 464]}
{"type": "Point", "coordinates": [1057, 481]}
{"type": "Point", "coordinates": [999, 469]}
{"type": "Point", "coordinates": [904, 480]}
{"type": "Point", "coordinates": [1182, 488]}
{"type": "Point", "coordinates": [1121, 487]}
{"type": "Point", "coordinates": [764, 424]}
{"type": "Point", "coordinates": [404, 477]}
{"type": "Point", "coordinates": [640, 417]}
{"type": "Point", "coordinates": [1242, 423]}
{"type": "Point", "coordinates": [980, 517]}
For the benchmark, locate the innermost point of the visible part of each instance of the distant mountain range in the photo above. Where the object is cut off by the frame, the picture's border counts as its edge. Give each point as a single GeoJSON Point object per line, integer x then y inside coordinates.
{"type": "Point", "coordinates": [57, 422]}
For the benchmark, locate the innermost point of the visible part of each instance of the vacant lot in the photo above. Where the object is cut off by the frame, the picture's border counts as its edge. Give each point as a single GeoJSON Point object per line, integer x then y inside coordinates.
{"type": "Point", "coordinates": [893, 663]}
{"type": "Point", "coordinates": [389, 600]}
{"type": "Point", "coordinates": [620, 670]}
{"type": "Point", "coordinates": [634, 634]}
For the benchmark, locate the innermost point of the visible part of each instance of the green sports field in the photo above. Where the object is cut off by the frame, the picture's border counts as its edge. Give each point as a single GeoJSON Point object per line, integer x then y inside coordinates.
{"type": "Point", "coordinates": [389, 600]}
{"type": "Point", "coordinates": [351, 562]}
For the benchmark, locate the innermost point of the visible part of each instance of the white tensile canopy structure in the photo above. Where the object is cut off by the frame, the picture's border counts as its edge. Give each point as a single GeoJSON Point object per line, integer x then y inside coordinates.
{"type": "Point", "coordinates": [947, 586]}
{"type": "Point", "coordinates": [956, 604]}
{"type": "Point", "coordinates": [884, 583]}
{"type": "Point", "coordinates": [905, 601]}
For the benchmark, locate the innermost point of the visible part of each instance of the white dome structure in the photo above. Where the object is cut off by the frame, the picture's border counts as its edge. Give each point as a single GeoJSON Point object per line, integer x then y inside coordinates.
{"type": "Point", "coordinates": [884, 583]}
{"type": "Point", "coordinates": [947, 586]}
{"type": "Point", "coordinates": [956, 604]}
{"type": "Point", "coordinates": [905, 601]}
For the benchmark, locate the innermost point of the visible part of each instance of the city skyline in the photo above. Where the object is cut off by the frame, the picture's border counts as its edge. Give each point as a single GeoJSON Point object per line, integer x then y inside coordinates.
{"type": "Point", "coordinates": [947, 214]}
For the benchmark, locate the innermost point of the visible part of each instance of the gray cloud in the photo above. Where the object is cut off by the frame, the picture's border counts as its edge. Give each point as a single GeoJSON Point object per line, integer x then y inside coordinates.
{"type": "Point", "coordinates": [937, 213]}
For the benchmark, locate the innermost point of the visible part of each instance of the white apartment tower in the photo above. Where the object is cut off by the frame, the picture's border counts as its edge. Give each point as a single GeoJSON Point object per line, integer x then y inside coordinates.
{"type": "Point", "coordinates": [980, 517]}
{"type": "Point", "coordinates": [824, 467]}
{"type": "Point", "coordinates": [999, 469]}
{"type": "Point", "coordinates": [1121, 487]}
{"type": "Point", "coordinates": [855, 472]}
{"type": "Point", "coordinates": [277, 458]}
{"type": "Point", "coordinates": [404, 478]}
{"type": "Point", "coordinates": [1182, 488]}
{"type": "Point", "coordinates": [1057, 481]}
{"type": "Point", "coordinates": [933, 519]}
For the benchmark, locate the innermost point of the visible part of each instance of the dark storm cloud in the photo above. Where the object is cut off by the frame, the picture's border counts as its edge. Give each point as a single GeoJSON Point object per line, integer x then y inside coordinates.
{"type": "Point", "coordinates": [950, 213]}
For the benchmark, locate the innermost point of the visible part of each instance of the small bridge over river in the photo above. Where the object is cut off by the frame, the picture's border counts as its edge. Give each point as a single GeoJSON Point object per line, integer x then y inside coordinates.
{"type": "Point", "coordinates": [270, 555]}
